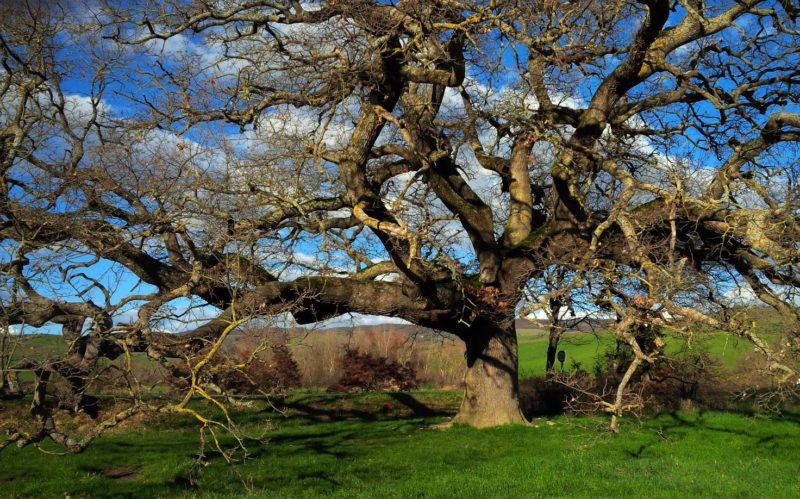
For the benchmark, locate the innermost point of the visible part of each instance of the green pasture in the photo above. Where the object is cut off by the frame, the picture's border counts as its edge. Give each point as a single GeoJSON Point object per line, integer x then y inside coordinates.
{"type": "Point", "coordinates": [585, 349]}
{"type": "Point", "coordinates": [385, 446]}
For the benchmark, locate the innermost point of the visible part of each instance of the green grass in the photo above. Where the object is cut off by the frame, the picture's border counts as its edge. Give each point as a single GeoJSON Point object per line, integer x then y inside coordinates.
{"type": "Point", "coordinates": [582, 348]}
{"type": "Point", "coordinates": [585, 349]}
{"type": "Point", "coordinates": [370, 446]}
{"type": "Point", "coordinates": [37, 346]}
{"type": "Point", "coordinates": [726, 348]}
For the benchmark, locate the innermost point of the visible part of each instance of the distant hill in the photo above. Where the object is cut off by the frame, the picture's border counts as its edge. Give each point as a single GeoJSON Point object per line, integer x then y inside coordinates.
{"type": "Point", "coordinates": [294, 333]}
{"type": "Point", "coordinates": [579, 324]}
{"type": "Point", "coordinates": [250, 338]}
{"type": "Point", "coordinates": [340, 330]}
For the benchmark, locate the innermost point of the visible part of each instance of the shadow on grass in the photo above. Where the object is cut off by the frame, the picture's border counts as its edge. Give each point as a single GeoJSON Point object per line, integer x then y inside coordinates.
{"type": "Point", "coordinates": [346, 428]}
{"type": "Point", "coordinates": [397, 406]}
{"type": "Point", "coordinates": [638, 452]}
{"type": "Point", "coordinates": [325, 443]}
{"type": "Point", "coordinates": [768, 432]}
{"type": "Point", "coordinates": [764, 434]}
{"type": "Point", "coordinates": [335, 440]}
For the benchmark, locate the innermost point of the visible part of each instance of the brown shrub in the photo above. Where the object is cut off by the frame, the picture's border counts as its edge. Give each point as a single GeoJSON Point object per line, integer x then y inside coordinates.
{"type": "Point", "coordinates": [366, 372]}
{"type": "Point", "coordinates": [283, 372]}
{"type": "Point", "coordinates": [681, 382]}
{"type": "Point", "coordinates": [242, 373]}
{"type": "Point", "coordinates": [574, 392]}
{"type": "Point", "coordinates": [684, 382]}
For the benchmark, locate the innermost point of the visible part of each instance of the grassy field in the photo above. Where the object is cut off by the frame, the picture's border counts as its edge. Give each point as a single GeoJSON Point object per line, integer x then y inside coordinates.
{"type": "Point", "coordinates": [582, 349]}
{"type": "Point", "coordinates": [382, 445]}
{"type": "Point", "coordinates": [585, 349]}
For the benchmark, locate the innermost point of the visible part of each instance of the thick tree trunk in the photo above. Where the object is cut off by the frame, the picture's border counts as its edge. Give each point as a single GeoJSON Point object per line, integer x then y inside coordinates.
{"type": "Point", "coordinates": [552, 348]}
{"type": "Point", "coordinates": [491, 394]}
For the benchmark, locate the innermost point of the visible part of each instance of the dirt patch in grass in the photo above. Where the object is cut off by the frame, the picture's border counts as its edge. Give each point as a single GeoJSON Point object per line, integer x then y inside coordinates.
{"type": "Point", "coordinates": [128, 473]}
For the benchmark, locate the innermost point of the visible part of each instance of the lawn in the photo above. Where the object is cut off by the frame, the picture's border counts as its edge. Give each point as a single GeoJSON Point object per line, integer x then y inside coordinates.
{"type": "Point", "coordinates": [585, 349]}
{"type": "Point", "coordinates": [383, 445]}
{"type": "Point", "coordinates": [582, 348]}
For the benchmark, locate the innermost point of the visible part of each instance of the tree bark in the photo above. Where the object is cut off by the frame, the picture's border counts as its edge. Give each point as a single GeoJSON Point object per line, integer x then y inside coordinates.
{"type": "Point", "coordinates": [491, 393]}
{"type": "Point", "coordinates": [552, 348]}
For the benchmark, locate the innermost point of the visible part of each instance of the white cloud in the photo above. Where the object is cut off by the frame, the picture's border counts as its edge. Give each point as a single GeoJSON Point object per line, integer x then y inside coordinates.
{"type": "Point", "coordinates": [12, 330]}
{"type": "Point", "coordinates": [740, 295]}
{"type": "Point", "coordinates": [354, 319]}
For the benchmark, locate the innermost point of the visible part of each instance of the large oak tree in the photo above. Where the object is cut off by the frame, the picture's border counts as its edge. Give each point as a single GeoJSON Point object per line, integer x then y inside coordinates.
{"type": "Point", "coordinates": [422, 160]}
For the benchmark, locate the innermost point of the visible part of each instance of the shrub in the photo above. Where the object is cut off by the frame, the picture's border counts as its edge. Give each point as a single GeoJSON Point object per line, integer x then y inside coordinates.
{"type": "Point", "coordinates": [686, 381]}
{"type": "Point", "coordinates": [573, 392]}
{"type": "Point", "coordinates": [680, 382]}
{"type": "Point", "coordinates": [366, 372]}
{"type": "Point", "coordinates": [283, 372]}
{"type": "Point", "coordinates": [240, 373]}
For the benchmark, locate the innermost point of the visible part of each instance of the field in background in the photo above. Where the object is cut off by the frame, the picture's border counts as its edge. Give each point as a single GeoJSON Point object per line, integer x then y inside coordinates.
{"type": "Point", "coordinates": [437, 358]}
{"type": "Point", "coordinates": [381, 445]}
{"type": "Point", "coordinates": [310, 443]}
{"type": "Point", "coordinates": [585, 349]}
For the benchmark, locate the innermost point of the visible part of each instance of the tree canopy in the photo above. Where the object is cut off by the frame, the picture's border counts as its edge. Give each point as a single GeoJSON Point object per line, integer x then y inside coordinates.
{"type": "Point", "coordinates": [432, 161]}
